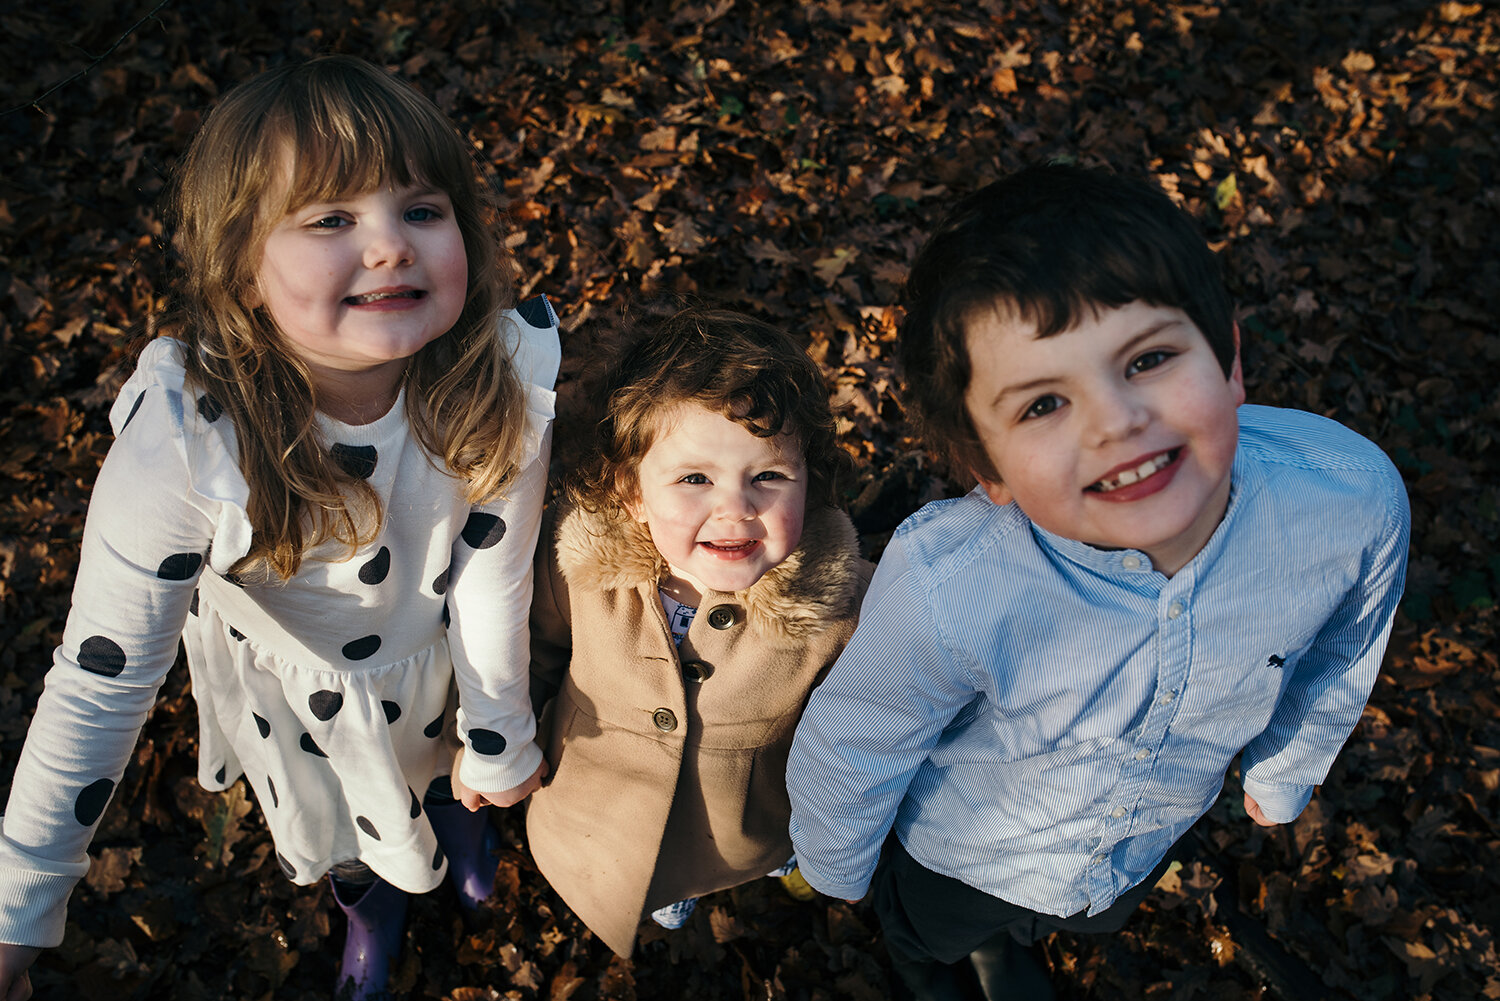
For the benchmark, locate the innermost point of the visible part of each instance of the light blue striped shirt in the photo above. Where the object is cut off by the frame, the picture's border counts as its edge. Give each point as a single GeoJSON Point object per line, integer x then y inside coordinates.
{"type": "Point", "coordinates": [1042, 719]}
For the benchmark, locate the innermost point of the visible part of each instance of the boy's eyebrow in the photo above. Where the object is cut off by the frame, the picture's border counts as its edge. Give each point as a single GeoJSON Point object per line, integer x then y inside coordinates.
{"type": "Point", "coordinates": [1031, 386]}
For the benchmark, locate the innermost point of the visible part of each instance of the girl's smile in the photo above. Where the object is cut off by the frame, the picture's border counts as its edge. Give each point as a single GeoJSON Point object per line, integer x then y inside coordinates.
{"type": "Point", "coordinates": [360, 283]}
{"type": "Point", "coordinates": [722, 505]}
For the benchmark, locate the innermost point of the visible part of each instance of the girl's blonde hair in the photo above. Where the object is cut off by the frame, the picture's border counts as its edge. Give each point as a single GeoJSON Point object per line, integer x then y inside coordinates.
{"type": "Point", "coordinates": [315, 132]}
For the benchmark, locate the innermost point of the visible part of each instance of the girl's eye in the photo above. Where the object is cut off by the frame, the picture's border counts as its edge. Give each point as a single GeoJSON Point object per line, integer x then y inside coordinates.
{"type": "Point", "coordinates": [330, 222]}
{"type": "Point", "coordinates": [1148, 361]}
{"type": "Point", "coordinates": [421, 213]}
{"type": "Point", "coordinates": [1041, 407]}
{"type": "Point", "coordinates": [769, 474]}
{"type": "Point", "coordinates": [696, 479]}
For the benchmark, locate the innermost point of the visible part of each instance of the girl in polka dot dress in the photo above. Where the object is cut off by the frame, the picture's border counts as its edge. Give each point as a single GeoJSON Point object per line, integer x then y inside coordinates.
{"type": "Point", "coordinates": [689, 599]}
{"type": "Point", "coordinates": [327, 480]}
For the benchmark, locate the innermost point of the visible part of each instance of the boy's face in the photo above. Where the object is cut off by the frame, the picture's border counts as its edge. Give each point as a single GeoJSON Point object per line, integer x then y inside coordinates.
{"type": "Point", "coordinates": [1119, 433]}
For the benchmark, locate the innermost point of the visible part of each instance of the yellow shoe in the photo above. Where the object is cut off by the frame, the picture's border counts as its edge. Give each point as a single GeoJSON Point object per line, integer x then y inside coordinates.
{"type": "Point", "coordinates": [796, 886]}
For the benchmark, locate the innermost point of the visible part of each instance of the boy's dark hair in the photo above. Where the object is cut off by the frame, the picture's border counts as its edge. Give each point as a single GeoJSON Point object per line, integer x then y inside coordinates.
{"type": "Point", "coordinates": [728, 363]}
{"type": "Point", "coordinates": [1046, 245]}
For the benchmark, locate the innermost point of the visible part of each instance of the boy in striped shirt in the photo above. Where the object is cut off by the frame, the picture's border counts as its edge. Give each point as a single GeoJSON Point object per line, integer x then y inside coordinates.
{"type": "Point", "coordinates": [1052, 674]}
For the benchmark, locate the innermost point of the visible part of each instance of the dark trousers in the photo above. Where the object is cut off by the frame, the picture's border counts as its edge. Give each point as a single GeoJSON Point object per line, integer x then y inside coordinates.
{"type": "Point", "coordinates": [951, 942]}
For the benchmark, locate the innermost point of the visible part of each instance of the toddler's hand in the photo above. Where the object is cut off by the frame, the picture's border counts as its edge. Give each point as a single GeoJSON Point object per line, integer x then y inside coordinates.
{"type": "Point", "coordinates": [1253, 808]}
{"type": "Point", "coordinates": [15, 960]}
{"type": "Point", "coordinates": [474, 799]}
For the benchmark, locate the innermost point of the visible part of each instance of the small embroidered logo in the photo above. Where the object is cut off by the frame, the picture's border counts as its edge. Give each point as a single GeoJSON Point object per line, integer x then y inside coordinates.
{"type": "Point", "coordinates": [1275, 661]}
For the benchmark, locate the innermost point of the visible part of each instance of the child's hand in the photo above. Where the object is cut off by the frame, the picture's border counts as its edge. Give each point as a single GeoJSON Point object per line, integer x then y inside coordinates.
{"type": "Point", "coordinates": [1253, 808]}
{"type": "Point", "coordinates": [474, 799]}
{"type": "Point", "coordinates": [15, 960]}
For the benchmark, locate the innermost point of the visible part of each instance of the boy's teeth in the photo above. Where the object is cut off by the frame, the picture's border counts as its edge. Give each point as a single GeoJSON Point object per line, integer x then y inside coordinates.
{"type": "Point", "coordinates": [1126, 477]}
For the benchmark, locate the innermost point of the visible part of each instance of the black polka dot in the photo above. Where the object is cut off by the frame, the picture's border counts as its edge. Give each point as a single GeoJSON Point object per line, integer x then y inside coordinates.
{"type": "Point", "coordinates": [286, 867]}
{"type": "Point", "coordinates": [235, 579]}
{"type": "Point", "coordinates": [271, 785]}
{"type": "Point", "coordinates": [194, 606]}
{"type": "Point", "coordinates": [92, 801]}
{"type": "Point", "coordinates": [311, 746]}
{"type": "Point", "coordinates": [236, 634]}
{"type": "Point", "coordinates": [482, 531]}
{"type": "Point", "coordinates": [416, 804]}
{"type": "Point", "coordinates": [101, 655]}
{"type": "Point", "coordinates": [434, 728]}
{"type": "Point", "coordinates": [262, 724]}
{"type": "Point", "coordinates": [486, 742]}
{"type": "Point", "coordinates": [440, 582]}
{"type": "Point", "coordinates": [535, 312]}
{"type": "Point", "coordinates": [367, 827]}
{"type": "Point", "coordinates": [361, 648]}
{"type": "Point", "coordinates": [209, 409]}
{"type": "Point", "coordinates": [447, 616]}
{"type": "Point", "coordinates": [325, 705]}
{"type": "Point", "coordinates": [392, 710]}
{"type": "Point", "coordinates": [437, 859]}
{"type": "Point", "coordinates": [179, 566]}
{"type": "Point", "coordinates": [374, 571]}
{"type": "Point", "coordinates": [134, 407]}
{"type": "Point", "coordinates": [221, 773]}
{"type": "Point", "coordinates": [356, 460]}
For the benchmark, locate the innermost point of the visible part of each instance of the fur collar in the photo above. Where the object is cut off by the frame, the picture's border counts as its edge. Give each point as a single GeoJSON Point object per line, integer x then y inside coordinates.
{"type": "Point", "coordinates": [817, 583]}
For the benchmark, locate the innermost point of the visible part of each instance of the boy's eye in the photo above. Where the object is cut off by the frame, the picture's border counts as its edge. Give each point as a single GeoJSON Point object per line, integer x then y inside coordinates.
{"type": "Point", "coordinates": [1149, 360]}
{"type": "Point", "coordinates": [697, 479]}
{"type": "Point", "coordinates": [769, 474]}
{"type": "Point", "coordinates": [1041, 407]}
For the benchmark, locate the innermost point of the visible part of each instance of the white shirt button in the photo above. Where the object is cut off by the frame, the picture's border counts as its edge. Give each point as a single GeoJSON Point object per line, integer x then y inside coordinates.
{"type": "Point", "coordinates": [1174, 609]}
{"type": "Point", "coordinates": [1130, 562]}
{"type": "Point", "coordinates": [1142, 754]}
{"type": "Point", "coordinates": [1166, 699]}
{"type": "Point", "coordinates": [1117, 812]}
{"type": "Point", "coordinates": [1098, 860]}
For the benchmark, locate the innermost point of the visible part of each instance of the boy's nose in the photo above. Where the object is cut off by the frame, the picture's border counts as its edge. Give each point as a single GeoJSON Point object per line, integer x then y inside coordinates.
{"type": "Point", "coordinates": [1117, 415]}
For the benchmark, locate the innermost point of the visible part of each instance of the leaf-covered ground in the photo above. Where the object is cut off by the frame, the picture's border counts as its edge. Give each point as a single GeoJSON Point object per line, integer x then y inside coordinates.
{"type": "Point", "coordinates": [786, 159]}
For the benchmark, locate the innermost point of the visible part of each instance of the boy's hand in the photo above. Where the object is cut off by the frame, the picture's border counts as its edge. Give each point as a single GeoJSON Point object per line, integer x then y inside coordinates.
{"type": "Point", "coordinates": [1253, 808]}
{"type": "Point", "coordinates": [15, 960]}
{"type": "Point", "coordinates": [474, 799]}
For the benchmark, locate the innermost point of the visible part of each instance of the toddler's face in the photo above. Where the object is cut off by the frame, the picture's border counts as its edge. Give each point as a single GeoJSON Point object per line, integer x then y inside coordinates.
{"type": "Point", "coordinates": [1119, 433]}
{"type": "Point", "coordinates": [722, 505]}
{"type": "Point", "coordinates": [364, 281]}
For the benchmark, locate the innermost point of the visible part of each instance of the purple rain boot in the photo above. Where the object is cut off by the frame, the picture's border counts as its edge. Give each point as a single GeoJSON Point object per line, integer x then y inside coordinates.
{"type": "Point", "coordinates": [377, 921]}
{"type": "Point", "coordinates": [471, 843]}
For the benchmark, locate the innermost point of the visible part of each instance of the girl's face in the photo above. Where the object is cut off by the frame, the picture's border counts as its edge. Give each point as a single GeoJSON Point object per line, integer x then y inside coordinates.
{"type": "Point", "coordinates": [722, 505]}
{"type": "Point", "coordinates": [362, 282]}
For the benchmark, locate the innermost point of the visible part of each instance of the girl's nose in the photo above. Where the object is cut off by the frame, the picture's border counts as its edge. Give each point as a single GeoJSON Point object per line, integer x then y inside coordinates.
{"type": "Point", "coordinates": [387, 244]}
{"type": "Point", "coordinates": [734, 504]}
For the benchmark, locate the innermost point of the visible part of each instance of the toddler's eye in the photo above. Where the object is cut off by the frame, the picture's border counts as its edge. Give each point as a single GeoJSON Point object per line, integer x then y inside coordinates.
{"type": "Point", "coordinates": [422, 213]}
{"type": "Point", "coordinates": [696, 479]}
{"type": "Point", "coordinates": [1149, 360]}
{"type": "Point", "coordinates": [330, 222]}
{"type": "Point", "coordinates": [769, 474]}
{"type": "Point", "coordinates": [1041, 407]}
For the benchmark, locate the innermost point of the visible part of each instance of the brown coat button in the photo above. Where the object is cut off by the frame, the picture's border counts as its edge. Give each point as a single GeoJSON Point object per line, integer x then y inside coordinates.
{"type": "Point", "coordinates": [721, 617]}
{"type": "Point", "coordinates": [696, 670]}
{"type": "Point", "coordinates": [665, 720]}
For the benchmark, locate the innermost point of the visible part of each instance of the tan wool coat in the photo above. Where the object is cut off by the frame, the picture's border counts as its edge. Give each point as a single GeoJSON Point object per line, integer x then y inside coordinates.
{"type": "Point", "coordinates": [668, 764]}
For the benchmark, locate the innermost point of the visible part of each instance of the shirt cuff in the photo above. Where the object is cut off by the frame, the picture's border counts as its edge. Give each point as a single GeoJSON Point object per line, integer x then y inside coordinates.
{"type": "Point", "coordinates": [1281, 804]}
{"type": "Point", "coordinates": [34, 897]}
{"type": "Point", "coordinates": [485, 774]}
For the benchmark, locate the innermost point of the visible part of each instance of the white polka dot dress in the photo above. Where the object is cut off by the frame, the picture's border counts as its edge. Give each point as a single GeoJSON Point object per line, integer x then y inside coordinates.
{"type": "Point", "coordinates": [330, 692]}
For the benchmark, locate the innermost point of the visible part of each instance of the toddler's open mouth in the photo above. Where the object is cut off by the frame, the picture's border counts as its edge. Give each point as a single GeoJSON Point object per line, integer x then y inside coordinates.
{"type": "Point", "coordinates": [727, 546]}
{"type": "Point", "coordinates": [1126, 477]}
